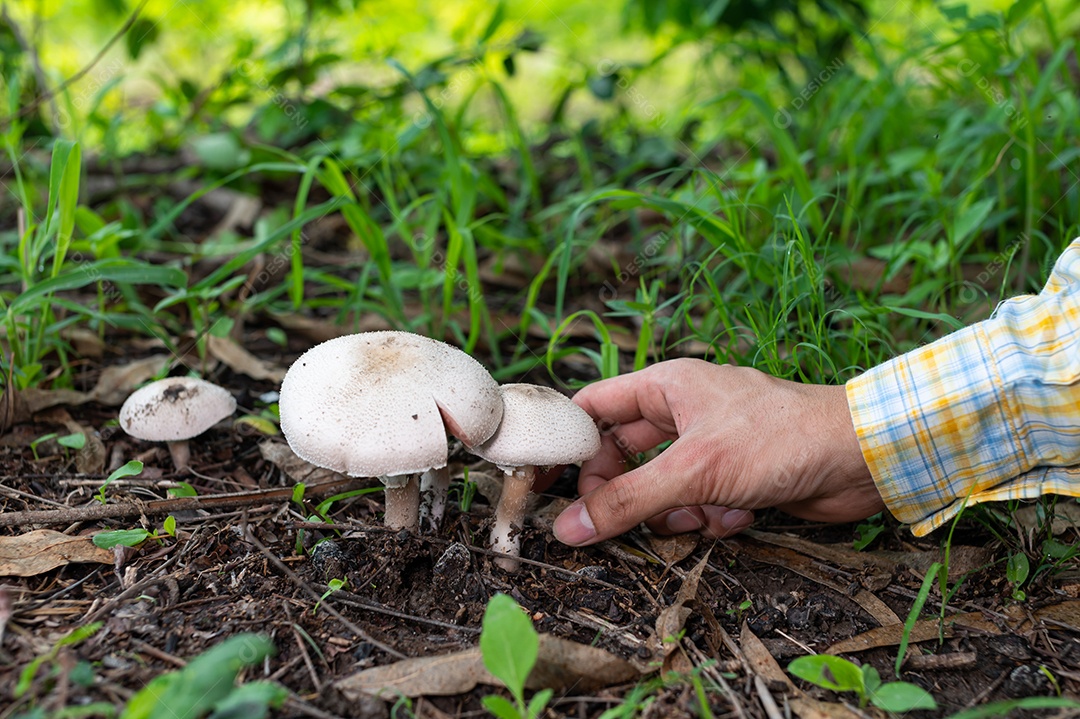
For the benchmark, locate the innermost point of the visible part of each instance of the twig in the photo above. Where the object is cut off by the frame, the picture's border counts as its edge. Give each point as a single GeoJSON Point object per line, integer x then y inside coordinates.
{"type": "Point", "coordinates": [163, 506]}
{"type": "Point", "coordinates": [45, 97]}
{"type": "Point", "coordinates": [346, 597]}
{"type": "Point", "coordinates": [307, 660]}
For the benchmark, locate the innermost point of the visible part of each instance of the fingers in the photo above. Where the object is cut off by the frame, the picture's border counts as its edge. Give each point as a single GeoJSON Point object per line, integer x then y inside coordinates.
{"type": "Point", "coordinates": [712, 521]}
{"type": "Point", "coordinates": [622, 502]}
{"type": "Point", "coordinates": [628, 398]}
{"type": "Point", "coordinates": [616, 445]}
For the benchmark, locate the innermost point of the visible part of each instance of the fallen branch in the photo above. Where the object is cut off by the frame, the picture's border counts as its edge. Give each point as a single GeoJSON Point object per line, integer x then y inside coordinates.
{"type": "Point", "coordinates": [231, 500]}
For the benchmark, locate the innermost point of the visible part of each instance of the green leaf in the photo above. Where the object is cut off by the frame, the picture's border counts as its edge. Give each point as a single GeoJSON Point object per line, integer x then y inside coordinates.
{"type": "Point", "coordinates": [259, 424]}
{"type": "Point", "coordinates": [251, 701]}
{"type": "Point", "coordinates": [508, 643]}
{"type": "Point", "coordinates": [538, 702]}
{"type": "Point", "coordinates": [916, 610]}
{"type": "Point", "coordinates": [1018, 569]}
{"type": "Point", "coordinates": [1008, 706]}
{"type": "Point", "coordinates": [924, 315]}
{"type": "Point", "coordinates": [206, 681]}
{"type": "Point", "coordinates": [120, 271]}
{"type": "Point", "coordinates": [69, 200]}
{"type": "Point", "coordinates": [500, 707]}
{"type": "Point", "coordinates": [183, 489]}
{"type": "Point", "coordinates": [72, 441]}
{"type": "Point", "coordinates": [143, 32]}
{"type": "Point", "coordinates": [496, 20]}
{"type": "Point", "coordinates": [828, 672]}
{"type": "Point", "coordinates": [900, 697]}
{"type": "Point", "coordinates": [125, 537]}
{"type": "Point", "coordinates": [130, 469]}
{"type": "Point", "coordinates": [170, 526]}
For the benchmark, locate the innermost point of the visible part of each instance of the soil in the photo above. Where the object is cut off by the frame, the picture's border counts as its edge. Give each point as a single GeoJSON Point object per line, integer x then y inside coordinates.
{"type": "Point", "coordinates": [258, 565]}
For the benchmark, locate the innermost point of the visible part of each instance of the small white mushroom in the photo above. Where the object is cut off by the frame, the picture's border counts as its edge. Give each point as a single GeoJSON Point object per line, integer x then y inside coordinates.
{"type": "Point", "coordinates": [379, 404]}
{"type": "Point", "coordinates": [174, 410]}
{"type": "Point", "coordinates": [540, 427]}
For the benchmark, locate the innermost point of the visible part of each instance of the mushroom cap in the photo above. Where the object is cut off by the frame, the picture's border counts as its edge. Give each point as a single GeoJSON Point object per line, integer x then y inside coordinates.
{"type": "Point", "coordinates": [541, 427]}
{"type": "Point", "coordinates": [377, 404]}
{"type": "Point", "coordinates": [175, 408]}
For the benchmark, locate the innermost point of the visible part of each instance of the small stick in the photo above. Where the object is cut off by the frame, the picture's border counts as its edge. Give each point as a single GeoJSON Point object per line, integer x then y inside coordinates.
{"type": "Point", "coordinates": [163, 506]}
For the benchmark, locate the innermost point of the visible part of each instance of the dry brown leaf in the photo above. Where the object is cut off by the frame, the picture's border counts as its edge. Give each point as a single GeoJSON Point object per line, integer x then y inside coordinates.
{"type": "Point", "coordinates": [43, 549]}
{"type": "Point", "coordinates": [765, 665]}
{"type": "Point", "coordinates": [673, 618]}
{"type": "Point", "coordinates": [1067, 613]}
{"type": "Point", "coordinates": [761, 661]}
{"type": "Point", "coordinates": [962, 559]}
{"type": "Point", "coordinates": [91, 458]}
{"type": "Point", "coordinates": [923, 630]}
{"type": "Point", "coordinates": [805, 566]}
{"type": "Point", "coordinates": [807, 708]}
{"type": "Point", "coordinates": [297, 469]}
{"type": "Point", "coordinates": [675, 548]}
{"type": "Point", "coordinates": [1066, 516]}
{"type": "Point", "coordinates": [240, 360]}
{"type": "Point", "coordinates": [561, 664]}
{"type": "Point", "coordinates": [86, 343]}
{"type": "Point", "coordinates": [117, 382]}
{"type": "Point", "coordinates": [318, 330]}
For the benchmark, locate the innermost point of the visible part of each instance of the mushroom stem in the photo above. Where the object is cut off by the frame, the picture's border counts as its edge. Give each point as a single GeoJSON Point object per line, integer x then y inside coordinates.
{"type": "Point", "coordinates": [402, 501]}
{"type": "Point", "coordinates": [180, 453]}
{"type": "Point", "coordinates": [434, 486]}
{"type": "Point", "coordinates": [510, 515]}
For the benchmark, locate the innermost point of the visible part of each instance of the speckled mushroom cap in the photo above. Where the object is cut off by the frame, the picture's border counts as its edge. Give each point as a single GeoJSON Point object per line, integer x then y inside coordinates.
{"type": "Point", "coordinates": [379, 404]}
{"type": "Point", "coordinates": [540, 427]}
{"type": "Point", "coordinates": [175, 408]}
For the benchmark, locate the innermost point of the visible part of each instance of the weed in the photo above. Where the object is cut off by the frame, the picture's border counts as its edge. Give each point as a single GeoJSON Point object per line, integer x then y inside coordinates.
{"type": "Point", "coordinates": [840, 675]}
{"type": "Point", "coordinates": [207, 685]}
{"type": "Point", "coordinates": [131, 469]}
{"type": "Point", "coordinates": [509, 646]}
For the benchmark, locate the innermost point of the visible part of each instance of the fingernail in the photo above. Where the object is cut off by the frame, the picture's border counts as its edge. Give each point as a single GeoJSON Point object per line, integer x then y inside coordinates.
{"type": "Point", "coordinates": [574, 526]}
{"type": "Point", "coordinates": [737, 519]}
{"type": "Point", "coordinates": [682, 520]}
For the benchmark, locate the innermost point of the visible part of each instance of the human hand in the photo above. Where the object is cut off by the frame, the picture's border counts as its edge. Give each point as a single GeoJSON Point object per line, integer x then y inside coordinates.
{"type": "Point", "coordinates": [743, 440]}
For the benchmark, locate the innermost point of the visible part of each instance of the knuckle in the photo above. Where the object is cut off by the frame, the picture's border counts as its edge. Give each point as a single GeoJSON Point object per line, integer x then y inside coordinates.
{"type": "Point", "coordinates": [621, 502]}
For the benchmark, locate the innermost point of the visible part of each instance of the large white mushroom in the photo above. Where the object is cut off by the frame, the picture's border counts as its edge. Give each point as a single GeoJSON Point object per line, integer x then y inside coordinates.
{"type": "Point", "coordinates": [174, 410]}
{"type": "Point", "coordinates": [540, 427]}
{"type": "Point", "coordinates": [379, 404]}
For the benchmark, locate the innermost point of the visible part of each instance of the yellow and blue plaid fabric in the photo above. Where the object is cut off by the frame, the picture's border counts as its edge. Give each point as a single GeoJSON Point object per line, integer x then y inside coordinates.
{"type": "Point", "coordinates": [988, 413]}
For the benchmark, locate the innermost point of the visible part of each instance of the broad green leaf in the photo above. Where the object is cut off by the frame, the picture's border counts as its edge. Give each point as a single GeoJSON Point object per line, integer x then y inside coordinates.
{"type": "Point", "coordinates": [900, 697]}
{"type": "Point", "coordinates": [117, 537]}
{"type": "Point", "coordinates": [828, 672]}
{"type": "Point", "coordinates": [508, 643]}
{"type": "Point", "coordinates": [207, 680]}
{"type": "Point", "coordinates": [500, 707]}
{"type": "Point", "coordinates": [251, 701]}
{"type": "Point", "coordinates": [1018, 569]}
{"type": "Point", "coordinates": [72, 441]}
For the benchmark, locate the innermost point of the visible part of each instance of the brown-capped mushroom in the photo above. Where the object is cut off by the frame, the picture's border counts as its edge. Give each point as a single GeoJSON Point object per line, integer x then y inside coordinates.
{"type": "Point", "coordinates": [540, 427]}
{"type": "Point", "coordinates": [379, 404]}
{"type": "Point", "coordinates": [174, 410]}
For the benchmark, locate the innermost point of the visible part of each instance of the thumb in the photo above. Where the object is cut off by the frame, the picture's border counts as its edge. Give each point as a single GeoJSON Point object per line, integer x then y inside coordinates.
{"type": "Point", "coordinates": [623, 502]}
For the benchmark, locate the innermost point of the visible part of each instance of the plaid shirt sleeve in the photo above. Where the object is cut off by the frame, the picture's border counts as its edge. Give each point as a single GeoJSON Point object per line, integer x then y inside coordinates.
{"type": "Point", "coordinates": [990, 412]}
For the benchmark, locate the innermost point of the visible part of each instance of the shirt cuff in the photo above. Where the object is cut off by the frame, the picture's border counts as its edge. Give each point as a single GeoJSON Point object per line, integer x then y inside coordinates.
{"type": "Point", "coordinates": [933, 425]}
